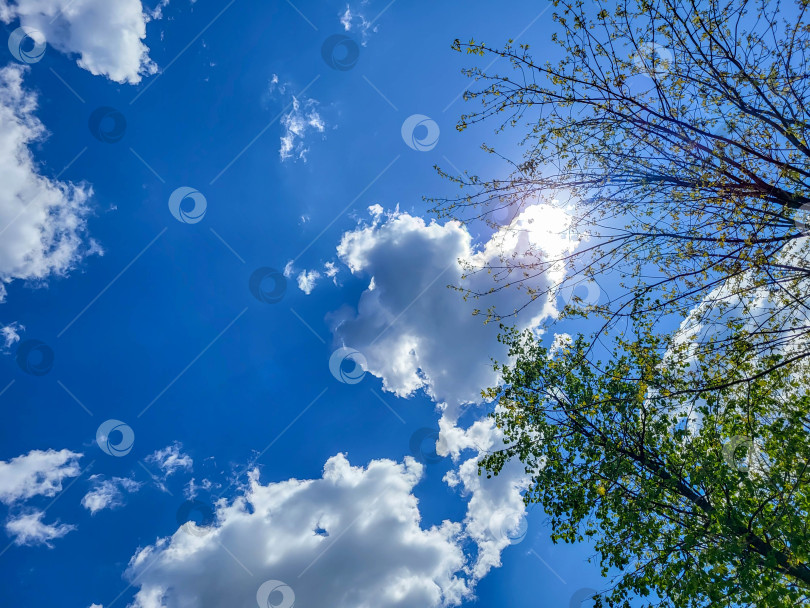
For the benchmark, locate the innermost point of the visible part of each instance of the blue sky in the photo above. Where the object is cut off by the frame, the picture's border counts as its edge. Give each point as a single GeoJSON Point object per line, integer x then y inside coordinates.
{"type": "Point", "coordinates": [304, 169]}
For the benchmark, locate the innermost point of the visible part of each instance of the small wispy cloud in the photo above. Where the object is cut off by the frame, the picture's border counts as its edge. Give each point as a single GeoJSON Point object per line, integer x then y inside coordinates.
{"type": "Point", "coordinates": [354, 20]}
{"type": "Point", "coordinates": [302, 120]}
{"type": "Point", "coordinates": [108, 493]}
{"type": "Point", "coordinates": [10, 334]}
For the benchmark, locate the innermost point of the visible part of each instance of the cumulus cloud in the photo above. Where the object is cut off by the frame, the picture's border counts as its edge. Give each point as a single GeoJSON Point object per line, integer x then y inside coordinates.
{"type": "Point", "coordinates": [107, 35]}
{"type": "Point", "coordinates": [36, 473]}
{"type": "Point", "coordinates": [417, 334]}
{"type": "Point", "coordinates": [171, 459]}
{"type": "Point", "coordinates": [42, 221]}
{"type": "Point", "coordinates": [108, 493]}
{"type": "Point", "coordinates": [413, 330]}
{"type": "Point", "coordinates": [351, 538]}
{"type": "Point", "coordinates": [29, 529]}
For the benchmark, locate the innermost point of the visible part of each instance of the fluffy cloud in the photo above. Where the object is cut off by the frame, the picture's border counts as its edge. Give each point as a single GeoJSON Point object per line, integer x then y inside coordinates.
{"type": "Point", "coordinates": [414, 331]}
{"type": "Point", "coordinates": [108, 493]}
{"type": "Point", "coordinates": [36, 473]}
{"type": "Point", "coordinates": [107, 35]}
{"type": "Point", "coordinates": [171, 459]}
{"type": "Point", "coordinates": [349, 539]}
{"type": "Point", "coordinates": [417, 334]}
{"type": "Point", "coordinates": [42, 221]}
{"type": "Point", "coordinates": [29, 529]}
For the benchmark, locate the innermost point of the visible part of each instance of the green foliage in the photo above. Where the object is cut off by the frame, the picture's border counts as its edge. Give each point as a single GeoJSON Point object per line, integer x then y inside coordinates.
{"type": "Point", "coordinates": [700, 499]}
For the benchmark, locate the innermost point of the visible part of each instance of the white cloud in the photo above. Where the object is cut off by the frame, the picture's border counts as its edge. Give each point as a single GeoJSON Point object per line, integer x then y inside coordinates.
{"type": "Point", "coordinates": [331, 270]}
{"type": "Point", "coordinates": [300, 120]}
{"type": "Point", "coordinates": [192, 487]}
{"type": "Point", "coordinates": [351, 538]}
{"type": "Point", "coordinates": [414, 331]}
{"type": "Point", "coordinates": [171, 459]}
{"type": "Point", "coordinates": [108, 493]}
{"type": "Point", "coordinates": [417, 334]}
{"type": "Point", "coordinates": [354, 20]}
{"type": "Point", "coordinates": [307, 279]}
{"type": "Point", "coordinates": [96, 606]}
{"type": "Point", "coordinates": [107, 35]}
{"type": "Point", "coordinates": [10, 334]}
{"type": "Point", "coordinates": [36, 473]}
{"type": "Point", "coordinates": [346, 18]}
{"type": "Point", "coordinates": [276, 86]}
{"type": "Point", "coordinates": [42, 221]}
{"type": "Point", "coordinates": [28, 529]}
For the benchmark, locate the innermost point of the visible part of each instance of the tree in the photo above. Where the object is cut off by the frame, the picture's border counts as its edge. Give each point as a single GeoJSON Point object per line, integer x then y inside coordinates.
{"type": "Point", "coordinates": [701, 501]}
{"type": "Point", "coordinates": [675, 134]}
